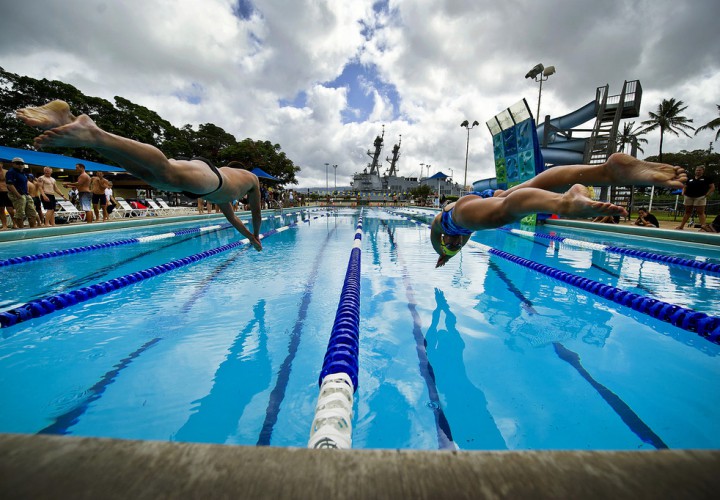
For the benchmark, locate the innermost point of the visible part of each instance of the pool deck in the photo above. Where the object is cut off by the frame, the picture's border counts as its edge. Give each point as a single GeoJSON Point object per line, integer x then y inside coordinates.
{"type": "Point", "coordinates": [42, 466]}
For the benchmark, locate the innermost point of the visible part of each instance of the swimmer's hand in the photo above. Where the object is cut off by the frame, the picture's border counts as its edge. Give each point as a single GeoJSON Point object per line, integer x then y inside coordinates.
{"type": "Point", "coordinates": [442, 261]}
{"type": "Point", "coordinates": [255, 242]}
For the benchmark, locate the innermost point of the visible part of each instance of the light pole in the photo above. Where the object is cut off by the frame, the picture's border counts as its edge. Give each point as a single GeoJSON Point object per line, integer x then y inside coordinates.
{"type": "Point", "coordinates": [467, 125]}
{"type": "Point", "coordinates": [540, 73]}
{"type": "Point", "coordinates": [335, 167]}
{"type": "Point", "coordinates": [422, 167]}
{"type": "Point", "coordinates": [327, 188]}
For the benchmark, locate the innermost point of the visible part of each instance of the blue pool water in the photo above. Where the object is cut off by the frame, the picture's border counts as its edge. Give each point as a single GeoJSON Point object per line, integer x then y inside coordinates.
{"type": "Point", "coordinates": [481, 354]}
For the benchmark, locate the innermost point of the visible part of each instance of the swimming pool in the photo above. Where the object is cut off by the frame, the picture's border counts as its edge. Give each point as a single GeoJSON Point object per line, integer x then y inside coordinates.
{"type": "Point", "coordinates": [481, 354]}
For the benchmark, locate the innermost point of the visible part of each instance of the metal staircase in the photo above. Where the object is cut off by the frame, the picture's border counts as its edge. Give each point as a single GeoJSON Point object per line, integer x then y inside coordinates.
{"type": "Point", "coordinates": [603, 140]}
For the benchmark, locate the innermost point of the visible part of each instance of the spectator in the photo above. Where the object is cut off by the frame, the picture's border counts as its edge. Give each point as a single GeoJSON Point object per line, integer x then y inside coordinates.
{"type": "Point", "coordinates": [647, 219]}
{"type": "Point", "coordinates": [5, 202]}
{"type": "Point", "coordinates": [608, 219]}
{"type": "Point", "coordinates": [696, 192]}
{"type": "Point", "coordinates": [17, 184]}
{"type": "Point", "coordinates": [73, 196]}
{"type": "Point", "coordinates": [111, 202]}
{"type": "Point", "coordinates": [34, 190]}
{"type": "Point", "coordinates": [48, 189]}
{"type": "Point", "coordinates": [201, 206]}
{"type": "Point", "coordinates": [98, 185]}
{"type": "Point", "coordinates": [84, 194]}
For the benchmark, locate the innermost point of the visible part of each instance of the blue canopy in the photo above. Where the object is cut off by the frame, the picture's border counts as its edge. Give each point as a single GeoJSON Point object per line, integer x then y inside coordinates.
{"type": "Point", "coordinates": [263, 175]}
{"type": "Point", "coordinates": [53, 161]}
{"type": "Point", "coordinates": [438, 175]}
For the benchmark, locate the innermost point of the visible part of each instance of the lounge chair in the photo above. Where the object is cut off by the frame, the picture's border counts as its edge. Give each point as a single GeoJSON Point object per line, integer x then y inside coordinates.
{"type": "Point", "coordinates": [173, 210]}
{"type": "Point", "coordinates": [157, 208]}
{"type": "Point", "coordinates": [129, 211]}
{"type": "Point", "coordinates": [69, 212]}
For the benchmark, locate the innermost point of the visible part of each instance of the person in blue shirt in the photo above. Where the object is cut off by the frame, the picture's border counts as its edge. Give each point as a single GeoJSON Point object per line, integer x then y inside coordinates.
{"type": "Point", "coordinates": [17, 184]}
{"type": "Point", "coordinates": [558, 190]}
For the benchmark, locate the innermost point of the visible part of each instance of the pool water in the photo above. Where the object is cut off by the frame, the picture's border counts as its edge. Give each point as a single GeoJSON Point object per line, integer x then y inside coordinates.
{"type": "Point", "coordinates": [482, 354]}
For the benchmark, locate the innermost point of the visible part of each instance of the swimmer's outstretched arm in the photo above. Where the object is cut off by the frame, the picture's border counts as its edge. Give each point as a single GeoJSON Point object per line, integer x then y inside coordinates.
{"type": "Point", "coordinates": [229, 213]}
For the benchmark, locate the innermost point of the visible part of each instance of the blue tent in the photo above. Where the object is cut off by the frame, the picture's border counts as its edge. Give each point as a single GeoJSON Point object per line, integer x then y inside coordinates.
{"type": "Point", "coordinates": [263, 175]}
{"type": "Point", "coordinates": [438, 176]}
{"type": "Point", "coordinates": [53, 161]}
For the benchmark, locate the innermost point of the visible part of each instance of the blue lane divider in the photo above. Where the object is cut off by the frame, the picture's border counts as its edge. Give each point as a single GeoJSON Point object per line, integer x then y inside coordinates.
{"type": "Point", "coordinates": [47, 305]}
{"type": "Point", "coordinates": [705, 325]}
{"type": "Point", "coordinates": [668, 259]}
{"type": "Point", "coordinates": [141, 239]}
{"type": "Point", "coordinates": [343, 347]}
{"type": "Point", "coordinates": [87, 248]}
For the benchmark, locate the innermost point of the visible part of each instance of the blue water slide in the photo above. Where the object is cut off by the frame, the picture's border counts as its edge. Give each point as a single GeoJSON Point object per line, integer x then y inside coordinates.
{"type": "Point", "coordinates": [559, 150]}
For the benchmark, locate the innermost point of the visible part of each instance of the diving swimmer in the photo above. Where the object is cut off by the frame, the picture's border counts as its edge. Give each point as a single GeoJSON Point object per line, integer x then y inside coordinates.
{"type": "Point", "coordinates": [558, 190]}
{"type": "Point", "coordinates": [196, 177]}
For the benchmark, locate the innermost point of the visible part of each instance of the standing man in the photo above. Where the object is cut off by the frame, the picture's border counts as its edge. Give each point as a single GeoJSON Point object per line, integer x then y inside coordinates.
{"type": "Point", "coordinates": [17, 184]}
{"type": "Point", "coordinates": [84, 194]}
{"type": "Point", "coordinates": [47, 195]}
{"type": "Point", "coordinates": [5, 201]}
{"type": "Point", "coordinates": [696, 192]}
{"type": "Point", "coordinates": [98, 185]}
{"type": "Point", "coordinates": [34, 190]}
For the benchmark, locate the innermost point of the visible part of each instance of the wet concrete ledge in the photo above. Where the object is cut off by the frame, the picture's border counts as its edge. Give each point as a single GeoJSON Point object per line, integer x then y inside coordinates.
{"type": "Point", "coordinates": [37, 467]}
{"type": "Point", "coordinates": [632, 230]}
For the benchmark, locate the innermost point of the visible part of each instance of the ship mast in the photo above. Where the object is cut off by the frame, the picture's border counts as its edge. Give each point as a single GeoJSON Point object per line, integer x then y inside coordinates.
{"type": "Point", "coordinates": [395, 157]}
{"type": "Point", "coordinates": [374, 166]}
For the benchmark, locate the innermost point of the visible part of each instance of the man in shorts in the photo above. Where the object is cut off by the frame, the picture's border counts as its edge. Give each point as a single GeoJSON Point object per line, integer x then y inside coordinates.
{"type": "Point", "coordinates": [84, 193]}
{"type": "Point", "coordinates": [47, 195]}
{"type": "Point", "coordinates": [696, 192]}
{"type": "Point", "coordinates": [5, 201]}
{"type": "Point", "coordinates": [98, 185]}
{"type": "Point", "coordinates": [17, 184]}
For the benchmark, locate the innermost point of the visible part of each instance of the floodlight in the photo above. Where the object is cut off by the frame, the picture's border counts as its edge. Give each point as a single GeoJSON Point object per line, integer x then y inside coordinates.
{"type": "Point", "coordinates": [535, 71]}
{"type": "Point", "coordinates": [550, 70]}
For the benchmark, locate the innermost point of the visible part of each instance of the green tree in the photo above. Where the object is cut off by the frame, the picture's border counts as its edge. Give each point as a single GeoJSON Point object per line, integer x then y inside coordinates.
{"type": "Point", "coordinates": [712, 125]}
{"type": "Point", "coordinates": [421, 193]}
{"type": "Point", "coordinates": [630, 137]}
{"type": "Point", "coordinates": [667, 118]}
{"type": "Point", "coordinates": [134, 121]}
{"type": "Point", "coordinates": [265, 155]}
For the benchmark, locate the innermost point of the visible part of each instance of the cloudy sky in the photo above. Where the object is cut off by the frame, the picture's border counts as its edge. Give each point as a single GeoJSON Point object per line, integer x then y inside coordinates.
{"type": "Point", "coordinates": [321, 77]}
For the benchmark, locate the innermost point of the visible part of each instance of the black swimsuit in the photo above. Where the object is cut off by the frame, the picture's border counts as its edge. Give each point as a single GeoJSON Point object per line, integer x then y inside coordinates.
{"type": "Point", "coordinates": [195, 196]}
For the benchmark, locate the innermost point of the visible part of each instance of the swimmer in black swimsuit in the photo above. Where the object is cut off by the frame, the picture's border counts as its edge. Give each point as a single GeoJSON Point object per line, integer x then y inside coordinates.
{"type": "Point", "coordinates": [451, 229]}
{"type": "Point", "coordinates": [196, 177]}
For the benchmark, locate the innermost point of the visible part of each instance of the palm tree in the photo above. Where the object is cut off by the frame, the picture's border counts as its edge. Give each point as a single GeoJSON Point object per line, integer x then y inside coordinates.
{"type": "Point", "coordinates": [668, 119]}
{"type": "Point", "coordinates": [630, 137]}
{"type": "Point", "coordinates": [712, 125]}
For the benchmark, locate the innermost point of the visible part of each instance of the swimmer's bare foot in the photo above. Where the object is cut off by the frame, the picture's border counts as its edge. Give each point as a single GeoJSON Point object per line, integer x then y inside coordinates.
{"type": "Point", "coordinates": [627, 170]}
{"type": "Point", "coordinates": [82, 132]}
{"type": "Point", "coordinates": [575, 203]}
{"type": "Point", "coordinates": [51, 115]}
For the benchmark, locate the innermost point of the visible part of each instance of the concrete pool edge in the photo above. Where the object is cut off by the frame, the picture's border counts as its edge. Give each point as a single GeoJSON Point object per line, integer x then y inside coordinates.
{"type": "Point", "coordinates": [46, 466]}
{"type": "Point", "coordinates": [665, 234]}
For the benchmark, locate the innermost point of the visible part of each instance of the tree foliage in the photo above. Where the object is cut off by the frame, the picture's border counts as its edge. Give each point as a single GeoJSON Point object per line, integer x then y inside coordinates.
{"type": "Point", "coordinates": [630, 137]}
{"type": "Point", "coordinates": [711, 125]}
{"type": "Point", "coordinates": [137, 122]}
{"type": "Point", "coordinates": [668, 119]}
